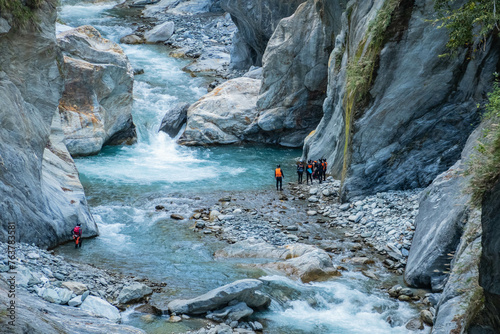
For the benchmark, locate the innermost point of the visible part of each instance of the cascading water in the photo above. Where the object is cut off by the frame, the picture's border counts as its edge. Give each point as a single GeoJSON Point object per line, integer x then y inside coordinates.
{"type": "Point", "coordinates": [124, 184]}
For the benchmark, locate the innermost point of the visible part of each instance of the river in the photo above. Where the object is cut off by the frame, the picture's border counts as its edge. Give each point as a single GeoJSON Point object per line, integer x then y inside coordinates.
{"type": "Point", "coordinates": [124, 184]}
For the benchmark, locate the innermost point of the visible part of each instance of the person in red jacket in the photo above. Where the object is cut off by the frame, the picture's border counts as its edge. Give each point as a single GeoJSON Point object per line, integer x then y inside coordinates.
{"type": "Point", "coordinates": [279, 176]}
{"type": "Point", "coordinates": [77, 235]}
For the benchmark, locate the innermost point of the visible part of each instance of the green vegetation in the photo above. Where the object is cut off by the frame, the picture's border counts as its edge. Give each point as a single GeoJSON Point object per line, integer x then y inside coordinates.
{"type": "Point", "coordinates": [360, 69]}
{"type": "Point", "coordinates": [485, 166]}
{"type": "Point", "coordinates": [22, 11]}
{"type": "Point", "coordinates": [470, 25]}
{"type": "Point", "coordinates": [472, 22]}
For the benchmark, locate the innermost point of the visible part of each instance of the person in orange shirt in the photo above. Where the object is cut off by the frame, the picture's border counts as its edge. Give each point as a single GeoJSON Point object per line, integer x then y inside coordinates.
{"type": "Point", "coordinates": [279, 176]}
{"type": "Point", "coordinates": [324, 165]}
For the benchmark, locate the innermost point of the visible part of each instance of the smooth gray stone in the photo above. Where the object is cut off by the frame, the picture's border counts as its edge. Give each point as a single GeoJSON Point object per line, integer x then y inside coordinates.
{"type": "Point", "coordinates": [174, 119]}
{"type": "Point", "coordinates": [133, 292]}
{"type": "Point", "coordinates": [243, 290]}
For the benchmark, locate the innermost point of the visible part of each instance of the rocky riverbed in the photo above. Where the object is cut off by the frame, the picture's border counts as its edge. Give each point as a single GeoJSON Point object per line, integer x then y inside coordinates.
{"type": "Point", "coordinates": [199, 34]}
{"type": "Point", "coordinates": [304, 232]}
{"type": "Point", "coordinates": [313, 214]}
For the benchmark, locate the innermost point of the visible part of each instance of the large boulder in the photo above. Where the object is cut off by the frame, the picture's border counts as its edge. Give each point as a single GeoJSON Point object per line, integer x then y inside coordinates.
{"type": "Point", "coordinates": [439, 225]}
{"type": "Point", "coordinates": [97, 100]}
{"type": "Point", "coordinates": [302, 261]}
{"type": "Point", "coordinates": [462, 292]}
{"type": "Point", "coordinates": [413, 120]}
{"type": "Point", "coordinates": [489, 266]}
{"type": "Point", "coordinates": [77, 287]}
{"type": "Point", "coordinates": [134, 292]}
{"type": "Point", "coordinates": [62, 183]}
{"type": "Point", "coordinates": [443, 212]}
{"type": "Point", "coordinates": [295, 69]}
{"type": "Point", "coordinates": [56, 296]}
{"type": "Point", "coordinates": [232, 313]}
{"type": "Point", "coordinates": [315, 265]}
{"type": "Point", "coordinates": [223, 116]}
{"type": "Point", "coordinates": [256, 22]}
{"type": "Point", "coordinates": [245, 290]}
{"type": "Point", "coordinates": [160, 33]}
{"type": "Point", "coordinates": [41, 194]}
{"type": "Point", "coordinates": [174, 119]}
{"type": "Point", "coordinates": [100, 308]}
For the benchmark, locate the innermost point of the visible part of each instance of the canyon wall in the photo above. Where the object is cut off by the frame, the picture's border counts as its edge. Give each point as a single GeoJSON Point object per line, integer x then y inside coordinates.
{"type": "Point", "coordinates": [409, 123]}
{"type": "Point", "coordinates": [256, 22]}
{"type": "Point", "coordinates": [42, 198]}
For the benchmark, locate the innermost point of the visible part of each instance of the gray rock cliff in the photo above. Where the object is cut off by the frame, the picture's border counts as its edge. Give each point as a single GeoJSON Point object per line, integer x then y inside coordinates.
{"type": "Point", "coordinates": [413, 121]}
{"type": "Point", "coordinates": [442, 216]}
{"type": "Point", "coordinates": [39, 186]}
{"type": "Point", "coordinates": [446, 247]}
{"type": "Point", "coordinates": [295, 70]}
{"type": "Point", "coordinates": [256, 22]}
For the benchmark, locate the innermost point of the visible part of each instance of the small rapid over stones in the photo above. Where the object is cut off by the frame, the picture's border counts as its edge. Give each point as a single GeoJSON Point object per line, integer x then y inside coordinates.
{"type": "Point", "coordinates": [170, 215]}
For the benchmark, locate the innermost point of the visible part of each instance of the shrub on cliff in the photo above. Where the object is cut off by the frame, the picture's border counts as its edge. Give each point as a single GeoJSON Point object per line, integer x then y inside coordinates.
{"type": "Point", "coordinates": [21, 11]}
{"type": "Point", "coordinates": [469, 24]}
{"type": "Point", "coordinates": [485, 167]}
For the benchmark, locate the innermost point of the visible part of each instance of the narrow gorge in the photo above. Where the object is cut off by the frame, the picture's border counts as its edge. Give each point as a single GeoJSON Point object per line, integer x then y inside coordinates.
{"type": "Point", "coordinates": [157, 125]}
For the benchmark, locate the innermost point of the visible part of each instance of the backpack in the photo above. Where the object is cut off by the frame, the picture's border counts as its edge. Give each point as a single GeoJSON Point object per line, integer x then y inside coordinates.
{"type": "Point", "coordinates": [77, 230]}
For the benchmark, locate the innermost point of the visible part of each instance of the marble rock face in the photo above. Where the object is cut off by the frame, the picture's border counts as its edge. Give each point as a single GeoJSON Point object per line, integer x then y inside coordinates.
{"type": "Point", "coordinates": [96, 104]}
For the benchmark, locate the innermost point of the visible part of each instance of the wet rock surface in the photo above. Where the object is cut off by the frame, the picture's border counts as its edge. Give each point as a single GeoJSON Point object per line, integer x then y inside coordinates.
{"type": "Point", "coordinates": [174, 119]}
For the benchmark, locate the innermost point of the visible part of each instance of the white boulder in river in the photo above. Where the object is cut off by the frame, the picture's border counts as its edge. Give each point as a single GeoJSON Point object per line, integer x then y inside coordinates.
{"type": "Point", "coordinates": [160, 33]}
{"type": "Point", "coordinates": [101, 308]}
{"type": "Point", "coordinates": [96, 104]}
{"type": "Point", "coordinates": [243, 290]}
{"type": "Point", "coordinates": [223, 116]}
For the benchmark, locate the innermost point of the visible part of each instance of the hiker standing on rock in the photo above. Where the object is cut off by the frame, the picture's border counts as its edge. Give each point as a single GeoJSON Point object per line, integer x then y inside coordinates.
{"type": "Point", "coordinates": [300, 171]}
{"type": "Point", "coordinates": [278, 175]}
{"type": "Point", "coordinates": [309, 171]}
{"type": "Point", "coordinates": [324, 165]}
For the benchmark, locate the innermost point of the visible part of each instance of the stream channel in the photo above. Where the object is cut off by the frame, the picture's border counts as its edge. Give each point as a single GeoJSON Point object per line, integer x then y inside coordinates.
{"type": "Point", "coordinates": [124, 184]}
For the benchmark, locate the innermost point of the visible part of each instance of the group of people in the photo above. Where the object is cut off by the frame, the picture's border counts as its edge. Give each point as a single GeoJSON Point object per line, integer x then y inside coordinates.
{"type": "Point", "coordinates": [314, 170]}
